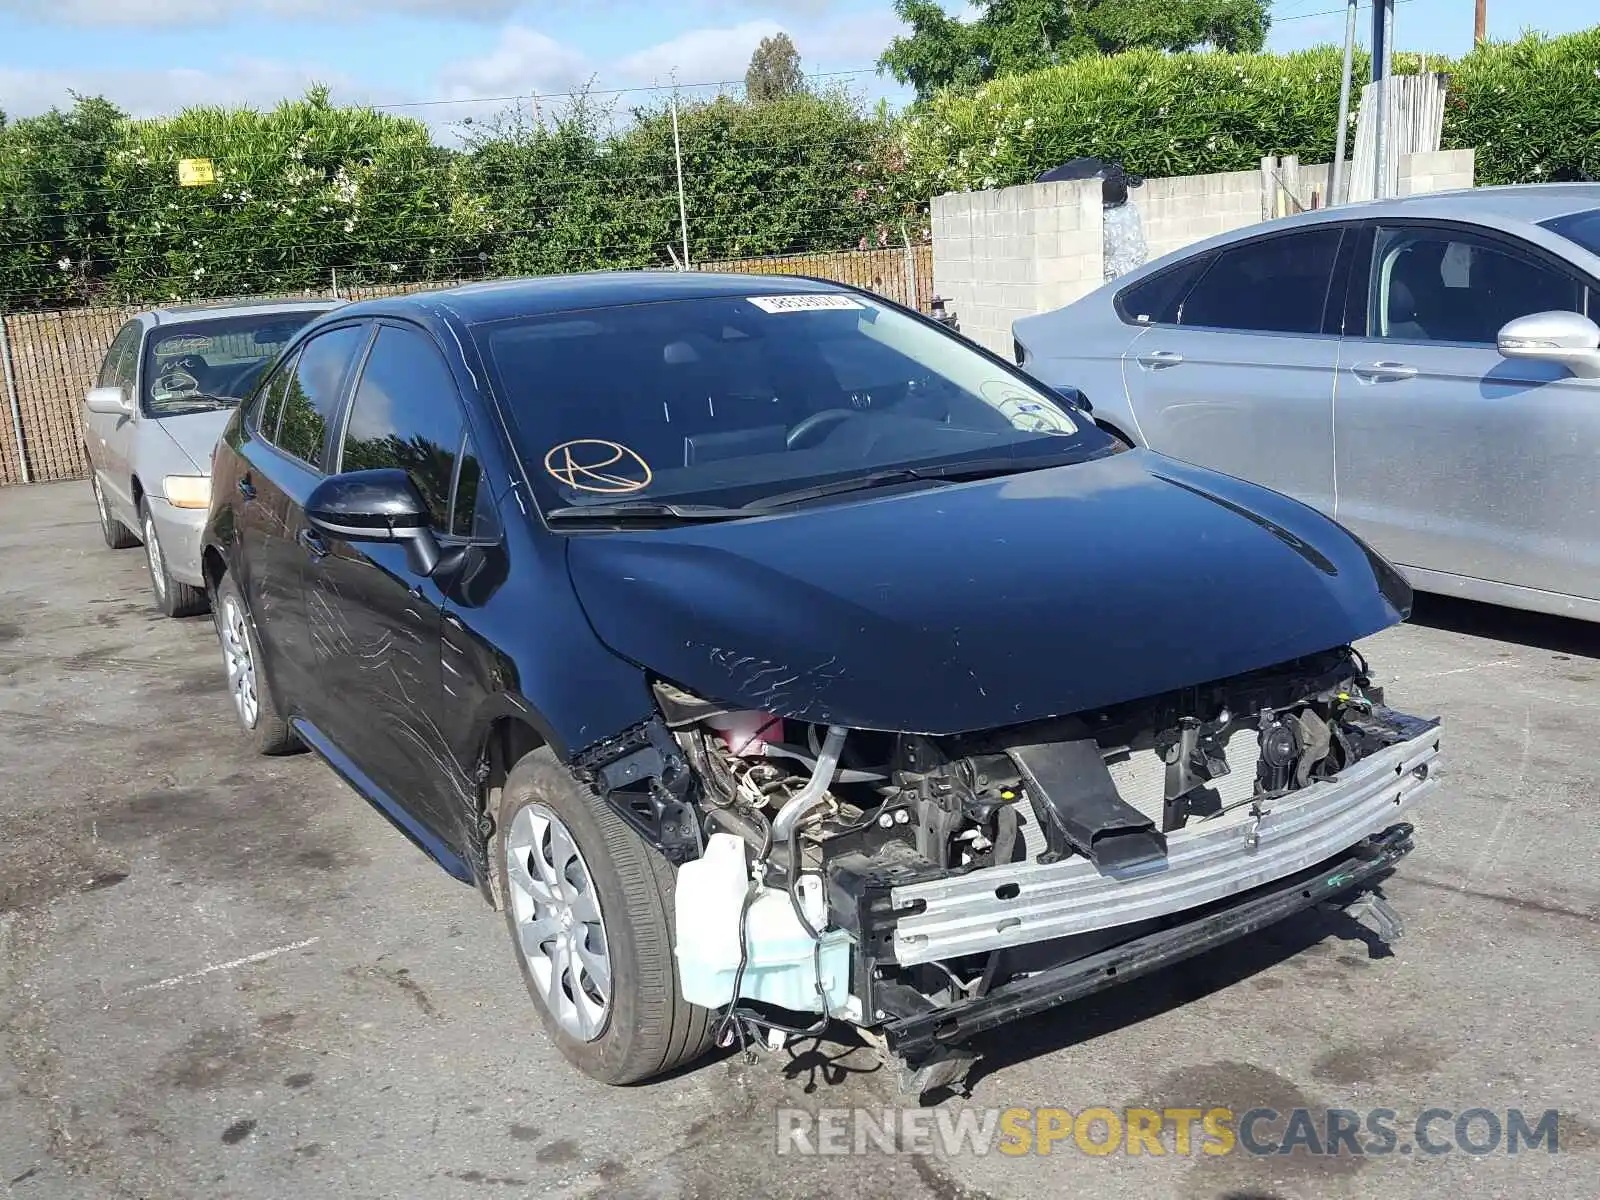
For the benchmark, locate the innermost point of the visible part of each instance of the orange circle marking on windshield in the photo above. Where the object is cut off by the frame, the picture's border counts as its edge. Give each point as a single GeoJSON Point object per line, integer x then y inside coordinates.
{"type": "Point", "coordinates": [583, 464]}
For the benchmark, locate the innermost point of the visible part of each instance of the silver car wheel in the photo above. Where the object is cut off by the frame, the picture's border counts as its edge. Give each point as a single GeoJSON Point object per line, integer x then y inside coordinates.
{"type": "Point", "coordinates": [239, 661]}
{"type": "Point", "coordinates": [100, 502]}
{"type": "Point", "coordinates": [560, 931]}
{"type": "Point", "coordinates": [152, 549]}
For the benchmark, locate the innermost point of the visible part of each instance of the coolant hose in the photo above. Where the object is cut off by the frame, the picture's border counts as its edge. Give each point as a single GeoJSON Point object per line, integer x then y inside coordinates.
{"type": "Point", "coordinates": [808, 797]}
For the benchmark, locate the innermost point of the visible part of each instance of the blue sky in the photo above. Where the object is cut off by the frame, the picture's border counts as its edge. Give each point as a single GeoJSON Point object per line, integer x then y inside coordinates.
{"type": "Point", "coordinates": [153, 56]}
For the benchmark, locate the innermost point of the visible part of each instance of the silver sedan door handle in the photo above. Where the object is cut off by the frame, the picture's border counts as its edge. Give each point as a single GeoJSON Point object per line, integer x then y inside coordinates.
{"type": "Point", "coordinates": [1154, 360]}
{"type": "Point", "coordinates": [1380, 372]}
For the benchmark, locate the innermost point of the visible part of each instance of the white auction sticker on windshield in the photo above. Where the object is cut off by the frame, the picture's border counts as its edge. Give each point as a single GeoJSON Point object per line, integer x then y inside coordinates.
{"type": "Point", "coordinates": [803, 302]}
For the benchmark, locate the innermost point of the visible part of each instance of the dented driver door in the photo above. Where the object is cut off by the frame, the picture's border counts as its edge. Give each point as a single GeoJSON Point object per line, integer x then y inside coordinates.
{"type": "Point", "coordinates": [374, 621]}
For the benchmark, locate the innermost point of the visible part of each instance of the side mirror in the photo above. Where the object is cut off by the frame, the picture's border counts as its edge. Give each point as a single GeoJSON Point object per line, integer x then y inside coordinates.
{"type": "Point", "coordinates": [1568, 338]}
{"type": "Point", "coordinates": [111, 401]}
{"type": "Point", "coordinates": [1074, 397]}
{"type": "Point", "coordinates": [376, 506]}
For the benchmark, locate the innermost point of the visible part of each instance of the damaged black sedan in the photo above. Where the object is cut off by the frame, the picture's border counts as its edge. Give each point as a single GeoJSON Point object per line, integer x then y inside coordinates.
{"type": "Point", "coordinates": [772, 656]}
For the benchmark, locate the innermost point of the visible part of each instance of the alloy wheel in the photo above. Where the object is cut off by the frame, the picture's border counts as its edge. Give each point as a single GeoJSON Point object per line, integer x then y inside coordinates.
{"type": "Point", "coordinates": [158, 566]}
{"type": "Point", "coordinates": [560, 930]}
{"type": "Point", "coordinates": [239, 661]}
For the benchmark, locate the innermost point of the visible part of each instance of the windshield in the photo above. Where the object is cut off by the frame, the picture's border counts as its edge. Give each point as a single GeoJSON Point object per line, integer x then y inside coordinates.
{"type": "Point", "coordinates": [729, 399]}
{"type": "Point", "coordinates": [198, 365]}
{"type": "Point", "coordinates": [1580, 227]}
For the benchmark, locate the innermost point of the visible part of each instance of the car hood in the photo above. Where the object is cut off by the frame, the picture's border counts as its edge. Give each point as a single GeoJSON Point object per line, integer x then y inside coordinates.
{"type": "Point", "coordinates": [196, 435]}
{"type": "Point", "coordinates": [985, 604]}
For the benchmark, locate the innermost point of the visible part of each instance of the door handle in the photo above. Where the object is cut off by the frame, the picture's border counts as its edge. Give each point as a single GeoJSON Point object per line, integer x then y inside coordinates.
{"type": "Point", "coordinates": [1154, 360]}
{"type": "Point", "coordinates": [311, 541]}
{"type": "Point", "coordinates": [1382, 372]}
{"type": "Point", "coordinates": [246, 488]}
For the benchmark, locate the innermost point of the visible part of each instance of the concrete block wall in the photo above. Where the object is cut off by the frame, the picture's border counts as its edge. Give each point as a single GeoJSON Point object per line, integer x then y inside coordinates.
{"type": "Point", "coordinates": [1437, 171]}
{"type": "Point", "coordinates": [1183, 209]}
{"type": "Point", "coordinates": [1003, 254]}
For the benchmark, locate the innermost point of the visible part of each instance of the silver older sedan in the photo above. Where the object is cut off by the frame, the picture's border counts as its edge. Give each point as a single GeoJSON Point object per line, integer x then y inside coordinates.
{"type": "Point", "coordinates": [1425, 370]}
{"type": "Point", "coordinates": [166, 389]}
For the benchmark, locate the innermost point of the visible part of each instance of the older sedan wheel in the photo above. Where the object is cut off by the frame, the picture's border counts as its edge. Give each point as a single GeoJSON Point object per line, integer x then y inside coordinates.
{"type": "Point", "coordinates": [589, 907]}
{"type": "Point", "coordinates": [117, 535]}
{"type": "Point", "coordinates": [173, 597]}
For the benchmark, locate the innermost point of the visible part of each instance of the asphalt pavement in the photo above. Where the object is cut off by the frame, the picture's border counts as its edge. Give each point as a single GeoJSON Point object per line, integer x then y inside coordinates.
{"type": "Point", "coordinates": [225, 976]}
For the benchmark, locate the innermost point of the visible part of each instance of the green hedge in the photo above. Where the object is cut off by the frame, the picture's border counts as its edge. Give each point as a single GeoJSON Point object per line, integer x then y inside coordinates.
{"type": "Point", "coordinates": [1531, 107]}
{"type": "Point", "coordinates": [53, 203]}
{"type": "Point", "coordinates": [796, 173]}
{"type": "Point", "coordinates": [299, 190]}
{"type": "Point", "coordinates": [91, 208]}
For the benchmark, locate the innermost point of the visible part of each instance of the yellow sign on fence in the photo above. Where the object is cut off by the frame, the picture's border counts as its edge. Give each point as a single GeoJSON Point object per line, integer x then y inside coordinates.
{"type": "Point", "coordinates": [195, 172]}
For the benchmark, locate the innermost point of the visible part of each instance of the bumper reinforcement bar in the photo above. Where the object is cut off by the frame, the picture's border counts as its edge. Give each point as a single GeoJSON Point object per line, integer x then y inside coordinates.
{"type": "Point", "coordinates": [917, 1038]}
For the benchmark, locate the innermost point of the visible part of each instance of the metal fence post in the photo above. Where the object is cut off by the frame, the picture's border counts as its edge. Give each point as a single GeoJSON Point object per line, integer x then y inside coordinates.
{"type": "Point", "coordinates": [11, 397]}
{"type": "Point", "coordinates": [911, 269]}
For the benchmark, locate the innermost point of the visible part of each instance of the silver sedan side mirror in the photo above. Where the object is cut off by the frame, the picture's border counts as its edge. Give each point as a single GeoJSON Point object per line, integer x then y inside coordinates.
{"type": "Point", "coordinates": [1568, 338]}
{"type": "Point", "coordinates": [111, 401]}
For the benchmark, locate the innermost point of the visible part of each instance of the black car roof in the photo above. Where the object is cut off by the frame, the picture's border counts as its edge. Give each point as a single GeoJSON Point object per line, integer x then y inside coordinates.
{"type": "Point", "coordinates": [474, 303]}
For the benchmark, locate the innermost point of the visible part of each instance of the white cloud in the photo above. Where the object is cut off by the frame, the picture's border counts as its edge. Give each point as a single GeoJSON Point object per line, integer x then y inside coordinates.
{"type": "Point", "coordinates": [190, 12]}
{"type": "Point", "coordinates": [701, 56]}
{"type": "Point", "coordinates": [851, 40]}
{"type": "Point", "coordinates": [524, 61]}
{"type": "Point", "coordinates": [151, 93]}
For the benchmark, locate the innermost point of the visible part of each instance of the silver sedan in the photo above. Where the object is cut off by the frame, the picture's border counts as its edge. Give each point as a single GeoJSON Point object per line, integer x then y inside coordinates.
{"type": "Point", "coordinates": [167, 387]}
{"type": "Point", "coordinates": [1425, 370]}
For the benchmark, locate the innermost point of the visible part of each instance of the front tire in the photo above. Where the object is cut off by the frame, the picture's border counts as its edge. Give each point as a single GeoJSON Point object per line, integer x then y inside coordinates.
{"type": "Point", "coordinates": [117, 535]}
{"type": "Point", "coordinates": [253, 702]}
{"type": "Point", "coordinates": [173, 597]}
{"type": "Point", "coordinates": [589, 906]}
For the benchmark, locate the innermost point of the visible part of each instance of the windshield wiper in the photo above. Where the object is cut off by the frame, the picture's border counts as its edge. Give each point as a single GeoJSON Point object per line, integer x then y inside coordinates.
{"type": "Point", "coordinates": [978, 468]}
{"type": "Point", "coordinates": [203, 400]}
{"type": "Point", "coordinates": [624, 510]}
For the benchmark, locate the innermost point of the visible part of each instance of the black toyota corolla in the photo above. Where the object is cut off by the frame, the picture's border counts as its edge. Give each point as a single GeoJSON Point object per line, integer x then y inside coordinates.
{"type": "Point", "coordinates": [772, 656]}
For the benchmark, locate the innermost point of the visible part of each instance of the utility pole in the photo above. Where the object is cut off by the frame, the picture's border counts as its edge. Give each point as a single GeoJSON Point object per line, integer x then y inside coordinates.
{"type": "Point", "coordinates": [1480, 23]}
{"type": "Point", "coordinates": [1382, 64]}
{"type": "Point", "coordinates": [683, 210]}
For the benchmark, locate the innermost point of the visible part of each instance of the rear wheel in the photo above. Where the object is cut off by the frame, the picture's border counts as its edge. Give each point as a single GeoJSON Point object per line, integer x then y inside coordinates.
{"type": "Point", "coordinates": [253, 701]}
{"type": "Point", "coordinates": [589, 906]}
{"type": "Point", "coordinates": [117, 535]}
{"type": "Point", "coordinates": [173, 597]}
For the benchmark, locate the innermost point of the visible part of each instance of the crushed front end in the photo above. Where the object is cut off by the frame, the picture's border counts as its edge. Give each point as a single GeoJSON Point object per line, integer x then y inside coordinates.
{"type": "Point", "coordinates": [928, 888]}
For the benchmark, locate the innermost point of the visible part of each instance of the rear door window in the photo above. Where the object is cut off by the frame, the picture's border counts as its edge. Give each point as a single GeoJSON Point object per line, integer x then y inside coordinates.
{"type": "Point", "coordinates": [267, 409]}
{"type": "Point", "coordinates": [1155, 301]}
{"type": "Point", "coordinates": [314, 390]}
{"type": "Point", "coordinates": [1273, 285]}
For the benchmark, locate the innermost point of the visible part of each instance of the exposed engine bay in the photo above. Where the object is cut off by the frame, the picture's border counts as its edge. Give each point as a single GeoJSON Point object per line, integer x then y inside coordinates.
{"type": "Point", "coordinates": [895, 879]}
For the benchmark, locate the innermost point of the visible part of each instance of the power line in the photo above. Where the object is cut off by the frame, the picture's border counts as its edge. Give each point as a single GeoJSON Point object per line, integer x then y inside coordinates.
{"type": "Point", "coordinates": [620, 91]}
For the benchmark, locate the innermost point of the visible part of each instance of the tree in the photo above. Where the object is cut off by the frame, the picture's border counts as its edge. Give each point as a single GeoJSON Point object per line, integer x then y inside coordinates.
{"type": "Point", "coordinates": [1025, 35]}
{"type": "Point", "coordinates": [774, 70]}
